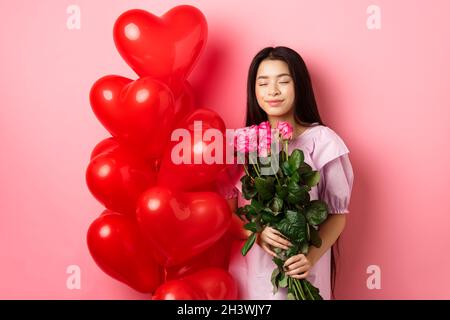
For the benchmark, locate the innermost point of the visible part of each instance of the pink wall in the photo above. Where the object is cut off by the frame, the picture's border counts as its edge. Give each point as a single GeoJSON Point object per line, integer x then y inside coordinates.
{"type": "Point", "coordinates": [384, 91]}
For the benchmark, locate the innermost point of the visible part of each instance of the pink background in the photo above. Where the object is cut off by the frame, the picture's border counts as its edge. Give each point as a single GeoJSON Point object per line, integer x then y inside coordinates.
{"type": "Point", "coordinates": [385, 92]}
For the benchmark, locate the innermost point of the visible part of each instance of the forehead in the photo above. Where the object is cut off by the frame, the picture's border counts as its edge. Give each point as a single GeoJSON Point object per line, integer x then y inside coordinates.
{"type": "Point", "coordinates": [272, 69]}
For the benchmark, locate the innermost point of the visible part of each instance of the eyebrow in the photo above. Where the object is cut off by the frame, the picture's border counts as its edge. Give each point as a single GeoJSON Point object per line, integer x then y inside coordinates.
{"type": "Point", "coordinates": [278, 76]}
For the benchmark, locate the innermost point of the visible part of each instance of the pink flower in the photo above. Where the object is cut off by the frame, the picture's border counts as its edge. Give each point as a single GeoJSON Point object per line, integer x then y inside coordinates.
{"type": "Point", "coordinates": [265, 138]}
{"type": "Point", "coordinates": [253, 138]}
{"type": "Point", "coordinates": [285, 130]}
{"type": "Point", "coordinates": [246, 139]}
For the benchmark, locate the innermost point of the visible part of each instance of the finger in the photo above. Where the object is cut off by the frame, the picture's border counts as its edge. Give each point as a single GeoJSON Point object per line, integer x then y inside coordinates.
{"type": "Point", "coordinates": [298, 270]}
{"type": "Point", "coordinates": [295, 265]}
{"type": "Point", "coordinates": [301, 276]}
{"type": "Point", "coordinates": [279, 240]}
{"type": "Point", "coordinates": [297, 257]}
{"type": "Point", "coordinates": [276, 244]}
{"type": "Point", "coordinates": [293, 259]}
{"type": "Point", "coordinates": [279, 233]}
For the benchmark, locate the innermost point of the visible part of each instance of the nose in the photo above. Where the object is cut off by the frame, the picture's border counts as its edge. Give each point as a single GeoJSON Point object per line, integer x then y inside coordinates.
{"type": "Point", "coordinates": [273, 90]}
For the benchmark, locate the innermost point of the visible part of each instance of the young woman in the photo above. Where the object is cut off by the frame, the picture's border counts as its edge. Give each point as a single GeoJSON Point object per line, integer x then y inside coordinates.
{"type": "Point", "coordinates": [279, 89]}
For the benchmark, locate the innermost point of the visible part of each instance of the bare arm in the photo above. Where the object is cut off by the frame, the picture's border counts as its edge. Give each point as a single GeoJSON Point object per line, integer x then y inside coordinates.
{"type": "Point", "coordinates": [329, 232]}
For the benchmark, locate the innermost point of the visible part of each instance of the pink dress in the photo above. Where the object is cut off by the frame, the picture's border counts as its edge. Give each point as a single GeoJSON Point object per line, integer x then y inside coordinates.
{"type": "Point", "coordinates": [326, 152]}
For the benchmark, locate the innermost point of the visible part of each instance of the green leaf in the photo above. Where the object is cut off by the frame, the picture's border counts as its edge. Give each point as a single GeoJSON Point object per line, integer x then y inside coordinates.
{"type": "Point", "coordinates": [275, 278]}
{"type": "Point", "coordinates": [241, 211]}
{"type": "Point", "coordinates": [315, 237]}
{"type": "Point", "coordinates": [267, 216]}
{"type": "Point", "coordinates": [257, 205]}
{"type": "Point", "coordinates": [265, 187]}
{"type": "Point", "coordinates": [292, 251]}
{"type": "Point", "coordinates": [248, 188]}
{"type": "Point", "coordinates": [250, 210]}
{"type": "Point", "coordinates": [316, 212]}
{"type": "Point", "coordinates": [304, 168]}
{"type": "Point", "coordinates": [281, 191]}
{"type": "Point", "coordinates": [286, 168]}
{"type": "Point", "coordinates": [295, 159]}
{"type": "Point", "coordinates": [283, 281]}
{"type": "Point", "coordinates": [294, 192]}
{"type": "Point", "coordinates": [293, 226]}
{"type": "Point", "coordinates": [248, 244]}
{"type": "Point", "coordinates": [312, 178]}
{"type": "Point", "coordinates": [278, 262]}
{"type": "Point", "coordinates": [276, 205]}
{"type": "Point", "coordinates": [295, 177]}
{"type": "Point", "coordinates": [250, 226]}
{"type": "Point", "coordinates": [312, 290]}
{"type": "Point", "coordinates": [304, 248]}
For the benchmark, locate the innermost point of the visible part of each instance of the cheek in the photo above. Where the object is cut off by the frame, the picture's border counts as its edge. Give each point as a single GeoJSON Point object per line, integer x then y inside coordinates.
{"type": "Point", "coordinates": [260, 94]}
{"type": "Point", "coordinates": [290, 92]}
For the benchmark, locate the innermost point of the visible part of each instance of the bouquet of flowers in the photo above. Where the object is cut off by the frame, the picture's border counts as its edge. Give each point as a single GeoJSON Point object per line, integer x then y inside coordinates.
{"type": "Point", "coordinates": [278, 185]}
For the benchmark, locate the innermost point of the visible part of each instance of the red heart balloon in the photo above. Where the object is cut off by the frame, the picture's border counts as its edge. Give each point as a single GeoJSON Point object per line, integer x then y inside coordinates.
{"type": "Point", "coordinates": [116, 246]}
{"type": "Point", "coordinates": [216, 256]}
{"type": "Point", "coordinates": [206, 284]}
{"type": "Point", "coordinates": [180, 225]}
{"type": "Point", "coordinates": [165, 48]}
{"type": "Point", "coordinates": [139, 113]}
{"type": "Point", "coordinates": [193, 161]}
{"type": "Point", "coordinates": [177, 290]}
{"type": "Point", "coordinates": [117, 178]}
{"type": "Point", "coordinates": [184, 102]}
{"type": "Point", "coordinates": [104, 146]}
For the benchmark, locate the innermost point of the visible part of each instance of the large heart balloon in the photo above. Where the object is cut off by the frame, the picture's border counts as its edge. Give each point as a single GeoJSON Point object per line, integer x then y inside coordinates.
{"type": "Point", "coordinates": [139, 113]}
{"type": "Point", "coordinates": [181, 225]}
{"type": "Point", "coordinates": [206, 284]}
{"type": "Point", "coordinates": [117, 178]}
{"type": "Point", "coordinates": [165, 48]}
{"type": "Point", "coordinates": [116, 246]}
{"type": "Point", "coordinates": [184, 102]}
{"type": "Point", "coordinates": [215, 256]}
{"type": "Point", "coordinates": [196, 154]}
{"type": "Point", "coordinates": [104, 146]}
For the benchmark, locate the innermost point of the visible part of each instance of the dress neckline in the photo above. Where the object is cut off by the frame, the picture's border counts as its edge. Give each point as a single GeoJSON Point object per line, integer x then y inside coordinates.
{"type": "Point", "coordinates": [308, 129]}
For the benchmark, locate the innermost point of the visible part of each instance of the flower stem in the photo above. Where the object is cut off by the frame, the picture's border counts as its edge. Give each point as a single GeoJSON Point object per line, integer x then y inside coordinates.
{"type": "Point", "coordinates": [308, 291]}
{"type": "Point", "coordinates": [300, 289]}
{"type": "Point", "coordinates": [286, 150]}
{"type": "Point", "coordinates": [256, 169]}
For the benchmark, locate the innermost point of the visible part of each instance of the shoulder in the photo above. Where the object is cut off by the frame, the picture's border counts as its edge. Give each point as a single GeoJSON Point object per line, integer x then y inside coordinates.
{"type": "Point", "coordinates": [327, 145]}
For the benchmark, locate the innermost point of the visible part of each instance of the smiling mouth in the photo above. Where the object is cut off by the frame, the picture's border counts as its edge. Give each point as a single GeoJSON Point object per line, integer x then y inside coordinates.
{"type": "Point", "coordinates": [274, 103]}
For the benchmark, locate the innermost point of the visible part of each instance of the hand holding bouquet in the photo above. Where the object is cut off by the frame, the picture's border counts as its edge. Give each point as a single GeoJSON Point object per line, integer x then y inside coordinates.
{"type": "Point", "coordinates": [278, 185]}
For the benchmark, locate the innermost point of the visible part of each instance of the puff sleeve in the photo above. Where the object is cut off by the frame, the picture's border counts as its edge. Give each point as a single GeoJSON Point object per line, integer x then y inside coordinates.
{"type": "Point", "coordinates": [327, 147]}
{"type": "Point", "coordinates": [336, 183]}
{"type": "Point", "coordinates": [336, 173]}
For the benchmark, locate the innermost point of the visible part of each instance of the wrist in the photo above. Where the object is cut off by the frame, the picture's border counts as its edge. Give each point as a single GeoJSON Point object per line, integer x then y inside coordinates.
{"type": "Point", "coordinates": [312, 255]}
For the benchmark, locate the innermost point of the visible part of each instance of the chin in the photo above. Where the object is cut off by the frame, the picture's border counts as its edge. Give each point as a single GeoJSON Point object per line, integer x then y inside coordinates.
{"type": "Point", "coordinates": [276, 112]}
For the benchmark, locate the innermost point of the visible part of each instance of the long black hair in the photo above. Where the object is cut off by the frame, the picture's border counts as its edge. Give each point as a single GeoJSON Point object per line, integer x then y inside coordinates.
{"type": "Point", "coordinates": [305, 112]}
